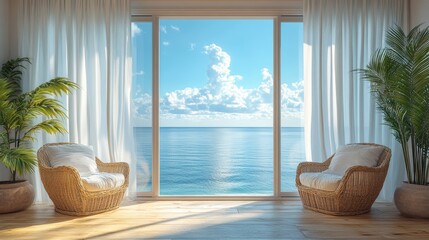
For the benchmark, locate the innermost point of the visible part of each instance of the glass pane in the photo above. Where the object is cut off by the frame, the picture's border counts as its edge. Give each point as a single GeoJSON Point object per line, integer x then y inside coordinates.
{"type": "Point", "coordinates": [292, 103]}
{"type": "Point", "coordinates": [142, 99]}
{"type": "Point", "coordinates": [216, 107]}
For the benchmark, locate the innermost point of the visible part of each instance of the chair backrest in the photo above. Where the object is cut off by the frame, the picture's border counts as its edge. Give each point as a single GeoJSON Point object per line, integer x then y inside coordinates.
{"type": "Point", "coordinates": [384, 159]}
{"type": "Point", "coordinates": [358, 154]}
{"type": "Point", "coordinates": [42, 155]}
{"type": "Point", "coordinates": [385, 156]}
{"type": "Point", "coordinates": [79, 156]}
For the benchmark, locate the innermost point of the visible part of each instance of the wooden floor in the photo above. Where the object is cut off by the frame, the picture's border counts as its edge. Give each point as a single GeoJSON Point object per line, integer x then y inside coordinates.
{"type": "Point", "coordinates": [212, 220]}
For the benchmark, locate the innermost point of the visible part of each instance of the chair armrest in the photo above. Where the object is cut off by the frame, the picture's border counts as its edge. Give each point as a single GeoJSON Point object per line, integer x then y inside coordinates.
{"type": "Point", "coordinates": [60, 179]}
{"type": "Point", "coordinates": [362, 179]}
{"type": "Point", "coordinates": [311, 167]}
{"type": "Point", "coordinates": [115, 167]}
{"type": "Point", "coordinates": [355, 169]}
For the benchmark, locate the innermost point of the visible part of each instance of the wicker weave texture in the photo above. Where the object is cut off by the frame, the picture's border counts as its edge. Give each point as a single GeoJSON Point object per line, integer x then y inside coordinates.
{"type": "Point", "coordinates": [356, 192]}
{"type": "Point", "coordinates": [65, 188]}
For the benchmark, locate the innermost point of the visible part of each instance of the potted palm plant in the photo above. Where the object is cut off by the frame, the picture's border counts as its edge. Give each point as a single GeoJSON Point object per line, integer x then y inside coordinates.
{"type": "Point", "coordinates": [399, 78]}
{"type": "Point", "coordinates": [21, 116]}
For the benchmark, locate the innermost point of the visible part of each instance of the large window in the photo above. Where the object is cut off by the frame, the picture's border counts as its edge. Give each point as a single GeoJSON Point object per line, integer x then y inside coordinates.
{"type": "Point", "coordinates": [292, 103]}
{"type": "Point", "coordinates": [216, 107]}
{"type": "Point", "coordinates": [214, 132]}
{"type": "Point", "coordinates": [142, 99]}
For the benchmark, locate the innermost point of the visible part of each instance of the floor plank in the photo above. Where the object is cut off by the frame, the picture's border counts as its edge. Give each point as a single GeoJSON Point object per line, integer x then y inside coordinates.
{"type": "Point", "coordinates": [212, 220]}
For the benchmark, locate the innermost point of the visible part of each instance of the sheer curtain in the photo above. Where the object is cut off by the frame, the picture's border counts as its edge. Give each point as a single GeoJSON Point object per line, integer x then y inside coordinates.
{"type": "Point", "coordinates": [340, 36]}
{"type": "Point", "coordinates": [88, 42]}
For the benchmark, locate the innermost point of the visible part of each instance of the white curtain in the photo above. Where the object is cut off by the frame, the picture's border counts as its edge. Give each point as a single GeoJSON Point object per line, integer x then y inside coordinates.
{"type": "Point", "coordinates": [88, 42]}
{"type": "Point", "coordinates": [339, 37]}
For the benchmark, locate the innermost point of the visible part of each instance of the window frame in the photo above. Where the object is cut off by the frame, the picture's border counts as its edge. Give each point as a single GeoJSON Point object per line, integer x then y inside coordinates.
{"type": "Point", "coordinates": [278, 17]}
{"type": "Point", "coordinates": [150, 20]}
{"type": "Point", "coordinates": [282, 19]}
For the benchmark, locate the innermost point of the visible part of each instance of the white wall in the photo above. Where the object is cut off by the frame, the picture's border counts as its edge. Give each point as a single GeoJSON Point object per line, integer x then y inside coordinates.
{"type": "Point", "coordinates": [4, 30]}
{"type": "Point", "coordinates": [419, 12]}
{"type": "Point", "coordinates": [4, 55]}
{"type": "Point", "coordinates": [217, 7]}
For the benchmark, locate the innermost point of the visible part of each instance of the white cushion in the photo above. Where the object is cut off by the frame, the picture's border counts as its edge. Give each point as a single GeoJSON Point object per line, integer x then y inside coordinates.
{"type": "Point", "coordinates": [103, 181]}
{"type": "Point", "coordinates": [320, 180]}
{"type": "Point", "coordinates": [74, 155]}
{"type": "Point", "coordinates": [354, 155]}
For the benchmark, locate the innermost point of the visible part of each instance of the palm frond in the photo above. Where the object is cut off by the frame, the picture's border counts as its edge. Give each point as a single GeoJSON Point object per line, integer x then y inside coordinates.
{"type": "Point", "coordinates": [47, 107]}
{"type": "Point", "coordinates": [399, 77]}
{"type": "Point", "coordinates": [5, 92]}
{"type": "Point", "coordinates": [21, 160]}
{"type": "Point", "coordinates": [20, 112]}
{"type": "Point", "coordinates": [55, 87]}
{"type": "Point", "coordinates": [52, 126]}
{"type": "Point", "coordinates": [11, 70]}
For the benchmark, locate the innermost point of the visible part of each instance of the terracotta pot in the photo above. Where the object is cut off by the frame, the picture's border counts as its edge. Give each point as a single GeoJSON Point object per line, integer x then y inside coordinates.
{"type": "Point", "coordinates": [412, 200]}
{"type": "Point", "coordinates": [15, 197]}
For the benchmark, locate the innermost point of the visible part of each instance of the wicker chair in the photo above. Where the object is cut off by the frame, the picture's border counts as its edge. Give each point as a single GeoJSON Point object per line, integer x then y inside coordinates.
{"type": "Point", "coordinates": [356, 192]}
{"type": "Point", "coordinates": [66, 190]}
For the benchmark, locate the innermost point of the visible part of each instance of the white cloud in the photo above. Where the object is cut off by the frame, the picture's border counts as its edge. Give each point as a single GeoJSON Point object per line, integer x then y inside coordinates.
{"type": "Point", "coordinates": [135, 30]}
{"type": "Point", "coordinates": [142, 106]}
{"type": "Point", "coordinates": [222, 100]}
{"type": "Point", "coordinates": [293, 97]}
{"type": "Point", "coordinates": [163, 29]}
{"type": "Point", "coordinates": [193, 45]}
{"type": "Point", "coordinates": [292, 104]}
{"type": "Point", "coordinates": [140, 73]}
{"type": "Point", "coordinates": [175, 28]}
{"type": "Point", "coordinates": [165, 43]}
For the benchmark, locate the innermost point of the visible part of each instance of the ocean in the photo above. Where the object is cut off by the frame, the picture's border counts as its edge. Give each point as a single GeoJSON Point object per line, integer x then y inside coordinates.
{"type": "Point", "coordinates": [218, 161]}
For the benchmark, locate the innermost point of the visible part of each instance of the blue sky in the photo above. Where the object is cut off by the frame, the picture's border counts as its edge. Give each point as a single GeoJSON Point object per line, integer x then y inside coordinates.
{"type": "Point", "coordinates": [217, 72]}
{"type": "Point", "coordinates": [249, 42]}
